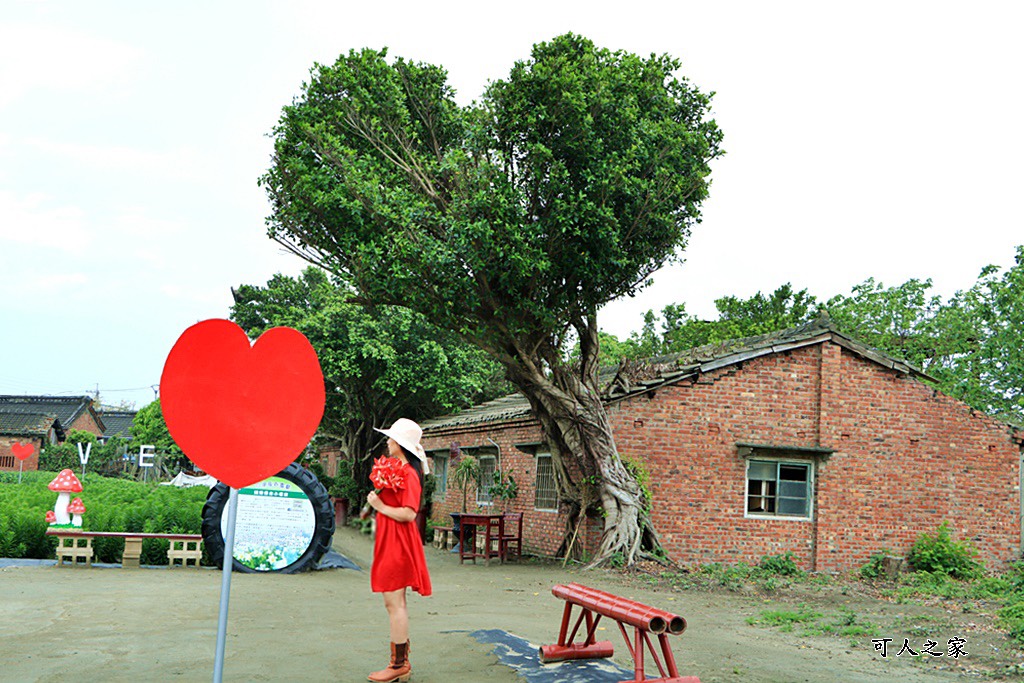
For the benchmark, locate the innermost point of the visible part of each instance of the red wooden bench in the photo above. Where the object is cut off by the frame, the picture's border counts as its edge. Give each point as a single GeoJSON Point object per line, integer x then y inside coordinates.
{"type": "Point", "coordinates": [594, 604]}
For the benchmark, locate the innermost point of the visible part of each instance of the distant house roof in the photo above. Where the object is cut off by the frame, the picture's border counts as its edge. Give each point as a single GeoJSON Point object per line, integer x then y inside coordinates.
{"type": "Point", "coordinates": [656, 372]}
{"type": "Point", "coordinates": [28, 424]}
{"type": "Point", "coordinates": [67, 409]}
{"type": "Point", "coordinates": [117, 422]}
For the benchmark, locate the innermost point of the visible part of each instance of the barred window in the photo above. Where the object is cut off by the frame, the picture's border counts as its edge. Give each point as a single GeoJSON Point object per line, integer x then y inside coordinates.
{"type": "Point", "coordinates": [485, 480]}
{"type": "Point", "coordinates": [546, 495]}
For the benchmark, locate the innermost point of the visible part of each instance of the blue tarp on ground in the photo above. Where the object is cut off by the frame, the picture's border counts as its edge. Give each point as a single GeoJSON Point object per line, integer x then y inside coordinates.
{"type": "Point", "coordinates": [523, 657]}
{"type": "Point", "coordinates": [334, 560]}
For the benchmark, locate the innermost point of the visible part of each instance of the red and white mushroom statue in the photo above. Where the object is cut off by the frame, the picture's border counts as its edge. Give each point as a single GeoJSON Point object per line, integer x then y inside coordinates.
{"type": "Point", "coordinates": [64, 485]}
{"type": "Point", "coordinates": [51, 517]}
{"type": "Point", "coordinates": [76, 508]}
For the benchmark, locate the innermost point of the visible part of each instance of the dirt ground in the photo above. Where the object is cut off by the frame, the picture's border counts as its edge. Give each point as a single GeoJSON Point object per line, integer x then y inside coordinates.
{"type": "Point", "coordinates": [110, 624]}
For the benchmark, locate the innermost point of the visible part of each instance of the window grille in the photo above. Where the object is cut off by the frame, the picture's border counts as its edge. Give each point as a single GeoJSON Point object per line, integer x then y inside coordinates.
{"type": "Point", "coordinates": [546, 494]}
{"type": "Point", "coordinates": [485, 481]}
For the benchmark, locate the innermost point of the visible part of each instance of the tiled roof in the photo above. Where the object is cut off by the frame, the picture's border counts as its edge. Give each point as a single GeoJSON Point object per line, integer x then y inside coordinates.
{"type": "Point", "coordinates": [500, 409]}
{"type": "Point", "coordinates": [663, 370]}
{"type": "Point", "coordinates": [118, 422]}
{"type": "Point", "coordinates": [67, 409]}
{"type": "Point", "coordinates": [25, 424]}
{"type": "Point", "coordinates": [703, 359]}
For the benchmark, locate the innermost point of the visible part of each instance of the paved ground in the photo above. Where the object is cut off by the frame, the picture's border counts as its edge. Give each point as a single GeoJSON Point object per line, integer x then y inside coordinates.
{"type": "Point", "coordinates": [481, 624]}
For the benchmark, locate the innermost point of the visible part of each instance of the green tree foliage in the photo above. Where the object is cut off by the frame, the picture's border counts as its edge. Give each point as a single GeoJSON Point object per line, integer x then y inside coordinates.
{"type": "Point", "coordinates": [969, 344]}
{"type": "Point", "coordinates": [149, 428]}
{"type": "Point", "coordinates": [509, 221]}
{"type": "Point", "coordinates": [379, 363]}
{"type": "Point", "coordinates": [105, 457]}
{"type": "Point", "coordinates": [737, 317]}
{"type": "Point", "coordinates": [987, 321]}
{"type": "Point", "coordinates": [899, 320]}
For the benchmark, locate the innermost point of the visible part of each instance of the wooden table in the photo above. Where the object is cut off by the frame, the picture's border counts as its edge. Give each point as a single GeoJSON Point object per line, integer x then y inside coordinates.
{"type": "Point", "coordinates": [491, 526]}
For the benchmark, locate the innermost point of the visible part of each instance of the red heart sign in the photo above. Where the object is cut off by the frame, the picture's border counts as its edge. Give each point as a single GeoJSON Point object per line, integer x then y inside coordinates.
{"type": "Point", "coordinates": [22, 451]}
{"type": "Point", "coordinates": [241, 413]}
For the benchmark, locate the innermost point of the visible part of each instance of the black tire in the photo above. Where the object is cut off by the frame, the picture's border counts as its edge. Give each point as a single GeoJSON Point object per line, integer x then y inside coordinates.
{"type": "Point", "coordinates": [323, 511]}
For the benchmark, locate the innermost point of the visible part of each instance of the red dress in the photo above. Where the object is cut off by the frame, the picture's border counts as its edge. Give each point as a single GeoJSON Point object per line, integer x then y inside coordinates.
{"type": "Point", "coordinates": [398, 560]}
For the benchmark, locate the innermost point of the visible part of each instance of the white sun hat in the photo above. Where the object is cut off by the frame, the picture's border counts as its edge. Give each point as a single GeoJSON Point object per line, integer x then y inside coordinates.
{"type": "Point", "coordinates": [407, 434]}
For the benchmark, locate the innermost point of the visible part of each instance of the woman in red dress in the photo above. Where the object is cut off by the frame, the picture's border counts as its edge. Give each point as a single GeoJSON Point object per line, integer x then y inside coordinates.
{"type": "Point", "coordinates": [398, 560]}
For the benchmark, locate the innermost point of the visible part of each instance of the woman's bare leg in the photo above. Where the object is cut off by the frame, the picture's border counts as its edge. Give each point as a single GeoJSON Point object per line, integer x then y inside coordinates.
{"type": "Point", "coordinates": [398, 615]}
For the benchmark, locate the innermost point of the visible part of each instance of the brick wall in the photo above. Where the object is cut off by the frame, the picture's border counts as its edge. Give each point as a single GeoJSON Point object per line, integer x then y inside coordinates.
{"type": "Point", "coordinates": [85, 422]}
{"type": "Point", "coordinates": [919, 458]}
{"type": "Point", "coordinates": [9, 463]}
{"type": "Point", "coordinates": [904, 459]}
{"type": "Point", "coordinates": [543, 530]}
{"type": "Point", "coordinates": [329, 459]}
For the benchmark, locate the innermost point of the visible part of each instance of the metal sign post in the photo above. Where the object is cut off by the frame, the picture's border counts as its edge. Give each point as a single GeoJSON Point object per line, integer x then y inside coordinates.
{"type": "Point", "coordinates": [225, 586]}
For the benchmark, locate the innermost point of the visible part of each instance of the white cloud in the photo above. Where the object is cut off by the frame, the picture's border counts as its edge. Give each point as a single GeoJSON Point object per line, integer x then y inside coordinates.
{"type": "Point", "coordinates": [34, 220]}
{"type": "Point", "coordinates": [54, 282]}
{"type": "Point", "coordinates": [56, 58]}
{"type": "Point", "coordinates": [181, 162]}
{"type": "Point", "coordinates": [216, 300]}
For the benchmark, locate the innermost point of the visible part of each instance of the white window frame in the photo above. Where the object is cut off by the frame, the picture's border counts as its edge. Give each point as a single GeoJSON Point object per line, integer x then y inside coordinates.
{"type": "Point", "coordinates": [536, 483]}
{"type": "Point", "coordinates": [780, 460]}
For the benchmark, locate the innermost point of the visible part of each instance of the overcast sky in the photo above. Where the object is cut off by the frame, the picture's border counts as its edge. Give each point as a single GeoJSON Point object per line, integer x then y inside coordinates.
{"type": "Point", "coordinates": [867, 139]}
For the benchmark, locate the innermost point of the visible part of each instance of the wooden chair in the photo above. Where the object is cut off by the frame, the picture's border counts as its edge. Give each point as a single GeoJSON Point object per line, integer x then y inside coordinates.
{"type": "Point", "coordinates": [512, 538]}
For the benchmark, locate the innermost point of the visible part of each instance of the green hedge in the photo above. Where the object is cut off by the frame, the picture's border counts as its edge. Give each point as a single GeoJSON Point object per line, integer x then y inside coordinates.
{"type": "Point", "coordinates": [111, 505]}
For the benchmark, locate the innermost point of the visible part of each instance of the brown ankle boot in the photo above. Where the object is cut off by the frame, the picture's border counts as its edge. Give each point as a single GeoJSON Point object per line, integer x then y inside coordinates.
{"type": "Point", "coordinates": [398, 670]}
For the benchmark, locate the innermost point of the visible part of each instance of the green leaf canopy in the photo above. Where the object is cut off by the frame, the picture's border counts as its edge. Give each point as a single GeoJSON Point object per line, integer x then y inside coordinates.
{"type": "Point", "coordinates": [565, 187]}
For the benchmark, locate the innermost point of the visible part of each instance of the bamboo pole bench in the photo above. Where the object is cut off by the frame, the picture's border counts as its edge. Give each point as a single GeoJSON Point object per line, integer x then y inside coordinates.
{"type": "Point", "coordinates": [75, 545]}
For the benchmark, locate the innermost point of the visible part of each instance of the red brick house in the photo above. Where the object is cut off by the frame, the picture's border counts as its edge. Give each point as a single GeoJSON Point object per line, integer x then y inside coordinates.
{"type": "Point", "coordinates": [42, 420]}
{"type": "Point", "coordinates": [804, 441]}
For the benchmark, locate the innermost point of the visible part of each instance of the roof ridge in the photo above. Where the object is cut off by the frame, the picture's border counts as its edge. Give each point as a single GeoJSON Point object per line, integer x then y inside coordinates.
{"type": "Point", "coordinates": [44, 397]}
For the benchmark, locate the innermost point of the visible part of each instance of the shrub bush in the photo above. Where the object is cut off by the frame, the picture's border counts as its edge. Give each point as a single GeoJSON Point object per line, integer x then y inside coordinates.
{"type": "Point", "coordinates": [938, 552]}
{"type": "Point", "coordinates": [783, 565]}
{"type": "Point", "coordinates": [874, 567]}
{"type": "Point", "coordinates": [111, 505]}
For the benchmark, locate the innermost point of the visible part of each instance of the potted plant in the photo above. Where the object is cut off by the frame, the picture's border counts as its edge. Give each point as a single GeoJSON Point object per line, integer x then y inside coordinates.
{"type": "Point", "coordinates": [465, 472]}
{"type": "Point", "coordinates": [504, 488]}
{"type": "Point", "coordinates": [343, 491]}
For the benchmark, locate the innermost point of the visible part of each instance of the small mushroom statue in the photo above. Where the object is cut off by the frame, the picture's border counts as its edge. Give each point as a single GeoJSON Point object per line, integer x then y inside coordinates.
{"type": "Point", "coordinates": [64, 485]}
{"type": "Point", "coordinates": [51, 517]}
{"type": "Point", "coordinates": [76, 508]}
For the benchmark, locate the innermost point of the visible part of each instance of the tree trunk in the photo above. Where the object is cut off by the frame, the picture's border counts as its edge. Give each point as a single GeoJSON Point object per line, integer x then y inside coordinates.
{"type": "Point", "coordinates": [568, 404]}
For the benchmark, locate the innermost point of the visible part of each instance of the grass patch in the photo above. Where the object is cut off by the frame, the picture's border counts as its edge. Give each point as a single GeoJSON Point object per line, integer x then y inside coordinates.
{"type": "Point", "coordinates": [784, 617]}
{"type": "Point", "coordinates": [773, 573]}
{"type": "Point", "coordinates": [843, 624]}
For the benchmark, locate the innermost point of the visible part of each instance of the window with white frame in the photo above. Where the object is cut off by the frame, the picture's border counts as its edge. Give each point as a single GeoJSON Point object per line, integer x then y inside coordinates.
{"type": "Point", "coordinates": [779, 488]}
{"type": "Point", "coordinates": [439, 471]}
{"type": "Point", "coordinates": [545, 495]}
{"type": "Point", "coordinates": [485, 480]}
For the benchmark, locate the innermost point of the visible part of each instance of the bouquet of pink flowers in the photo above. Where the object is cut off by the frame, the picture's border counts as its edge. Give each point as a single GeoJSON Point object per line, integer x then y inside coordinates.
{"type": "Point", "coordinates": [386, 474]}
